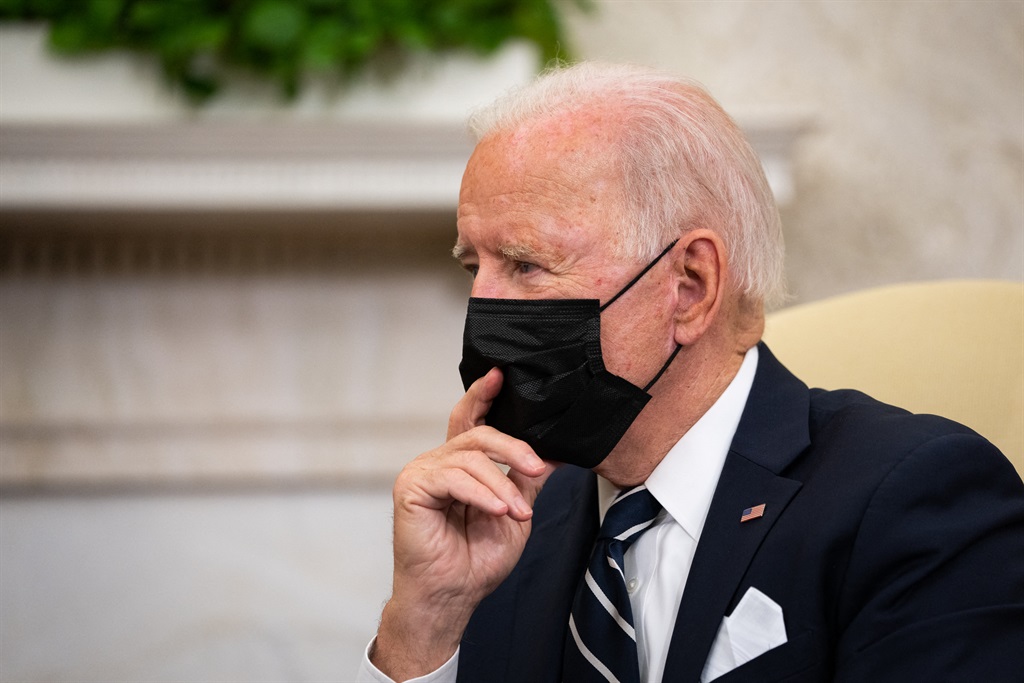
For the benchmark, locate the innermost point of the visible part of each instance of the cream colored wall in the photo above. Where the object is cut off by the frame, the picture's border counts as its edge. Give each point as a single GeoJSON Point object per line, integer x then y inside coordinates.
{"type": "Point", "coordinates": [913, 170]}
{"type": "Point", "coordinates": [191, 587]}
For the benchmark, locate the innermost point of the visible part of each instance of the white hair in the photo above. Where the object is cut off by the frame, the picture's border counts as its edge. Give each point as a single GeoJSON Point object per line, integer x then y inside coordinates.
{"type": "Point", "coordinates": [684, 161]}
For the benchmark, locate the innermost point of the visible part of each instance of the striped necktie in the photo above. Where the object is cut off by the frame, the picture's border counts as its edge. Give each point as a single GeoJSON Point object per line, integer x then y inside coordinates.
{"type": "Point", "coordinates": [601, 643]}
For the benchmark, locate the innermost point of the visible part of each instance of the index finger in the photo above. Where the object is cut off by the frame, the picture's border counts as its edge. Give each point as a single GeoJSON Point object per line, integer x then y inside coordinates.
{"type": "Point", "coordinates": [500, 448]}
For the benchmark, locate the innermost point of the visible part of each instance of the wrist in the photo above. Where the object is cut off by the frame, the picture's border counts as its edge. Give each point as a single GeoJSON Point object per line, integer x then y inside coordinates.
{"type": "Point", "coordinates": [413, 641]}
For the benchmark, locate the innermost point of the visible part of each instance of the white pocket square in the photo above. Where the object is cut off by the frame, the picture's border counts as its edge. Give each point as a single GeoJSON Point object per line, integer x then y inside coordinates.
{"type": "Point", "coordinates": [753, 628]}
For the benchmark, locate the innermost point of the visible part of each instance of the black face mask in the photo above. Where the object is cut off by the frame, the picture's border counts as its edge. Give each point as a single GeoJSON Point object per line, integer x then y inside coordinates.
{"type": "Point", "coordinates": [556, 395]}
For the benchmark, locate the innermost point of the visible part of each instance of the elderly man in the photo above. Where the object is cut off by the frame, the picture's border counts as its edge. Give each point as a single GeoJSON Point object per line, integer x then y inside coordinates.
{"type": "Point", "coordinates": [672, 504]}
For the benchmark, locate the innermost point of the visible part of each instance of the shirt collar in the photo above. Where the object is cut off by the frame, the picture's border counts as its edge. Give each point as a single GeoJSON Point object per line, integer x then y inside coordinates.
{"type": "Point", "coordinates": [686, 478]}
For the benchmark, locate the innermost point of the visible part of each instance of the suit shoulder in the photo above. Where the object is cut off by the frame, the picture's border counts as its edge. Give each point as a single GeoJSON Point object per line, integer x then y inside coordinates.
{"type": "Point", "coordinates": [855, 437]}
{"type": "Point", "coordinates": [846, 414]}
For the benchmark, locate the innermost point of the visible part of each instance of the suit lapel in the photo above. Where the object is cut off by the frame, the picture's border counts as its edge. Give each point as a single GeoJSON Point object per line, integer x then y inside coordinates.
{"type": "Point", "coordinates": [550, 571]}
{"type": "Point", "coordinates": [772, 432]}
{"type": "Point", "coordinates": [723, 555]}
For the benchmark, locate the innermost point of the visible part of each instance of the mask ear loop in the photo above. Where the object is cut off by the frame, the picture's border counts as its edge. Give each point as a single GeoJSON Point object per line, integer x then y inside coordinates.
{"type": "Point", "coordinates": [626, 289]}
{"type": "Point", "coordinates": [637, 278]}
{"type": "Point", "coordinates": [664, 367]}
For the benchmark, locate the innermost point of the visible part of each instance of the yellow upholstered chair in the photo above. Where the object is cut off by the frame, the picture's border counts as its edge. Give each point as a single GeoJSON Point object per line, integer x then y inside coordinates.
{"type": "Point", "coordinates": [952, 348]}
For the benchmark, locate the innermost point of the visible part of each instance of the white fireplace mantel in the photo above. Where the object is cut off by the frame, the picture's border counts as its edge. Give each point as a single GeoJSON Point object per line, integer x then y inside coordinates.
{"type": "Point", "coordinates": [250, 165]}
{"type": "Point", "coordinates": [245, 165]}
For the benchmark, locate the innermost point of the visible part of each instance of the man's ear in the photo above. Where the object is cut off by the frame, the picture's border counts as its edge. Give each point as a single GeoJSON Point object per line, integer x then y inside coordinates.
{"type": "Point", "coordinates": [701, 269]}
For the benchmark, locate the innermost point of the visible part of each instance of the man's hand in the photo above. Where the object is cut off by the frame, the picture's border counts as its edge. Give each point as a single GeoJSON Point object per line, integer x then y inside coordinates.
{"type": "Point", "coordinates": [461, 524]}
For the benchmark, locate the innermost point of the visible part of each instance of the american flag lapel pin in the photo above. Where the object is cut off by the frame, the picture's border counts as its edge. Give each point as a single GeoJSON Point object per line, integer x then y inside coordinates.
{"type": "Point", "coordinates": [752, 513]}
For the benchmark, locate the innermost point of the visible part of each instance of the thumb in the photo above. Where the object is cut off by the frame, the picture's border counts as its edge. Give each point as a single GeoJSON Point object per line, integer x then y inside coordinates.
{"type": "Point", "coordinates": [471, 409]}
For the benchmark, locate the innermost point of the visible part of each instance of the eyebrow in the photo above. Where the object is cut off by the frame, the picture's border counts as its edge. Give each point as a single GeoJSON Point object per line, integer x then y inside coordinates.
{"type": "Point", "coordinates": [512, 252]}
{"type": "Point", "coordinates": [518, 252]}
{"type": "Point", "coordinates": [459, 251]}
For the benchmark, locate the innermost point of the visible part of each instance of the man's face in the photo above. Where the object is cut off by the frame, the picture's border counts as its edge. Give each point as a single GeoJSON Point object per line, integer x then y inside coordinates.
{"type": "Point", "coordinates": [539, 218]}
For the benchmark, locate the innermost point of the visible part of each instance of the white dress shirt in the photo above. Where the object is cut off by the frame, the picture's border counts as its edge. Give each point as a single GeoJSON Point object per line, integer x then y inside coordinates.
{"type": "Point", "coordinates": [657, 564]}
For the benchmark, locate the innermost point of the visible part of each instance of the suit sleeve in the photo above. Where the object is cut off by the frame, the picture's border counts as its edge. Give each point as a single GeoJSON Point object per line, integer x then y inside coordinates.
{"type": "Point", "coordinates": [935, 585]}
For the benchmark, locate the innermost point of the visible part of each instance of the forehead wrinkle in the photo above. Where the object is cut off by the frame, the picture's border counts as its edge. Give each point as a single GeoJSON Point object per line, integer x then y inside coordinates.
{"type": "Point", "coordinates": [564, 183]}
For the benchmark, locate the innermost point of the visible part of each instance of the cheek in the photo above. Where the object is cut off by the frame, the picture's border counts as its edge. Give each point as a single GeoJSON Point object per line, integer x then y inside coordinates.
{"type": "Point", "coordinates": [638, 341]}
{"type": "Point", "coordinates": [630, 348]}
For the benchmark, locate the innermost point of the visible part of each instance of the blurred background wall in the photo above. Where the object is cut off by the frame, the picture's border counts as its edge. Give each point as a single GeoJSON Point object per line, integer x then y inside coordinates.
{"type": "Point", "coordinates": [205, 394]}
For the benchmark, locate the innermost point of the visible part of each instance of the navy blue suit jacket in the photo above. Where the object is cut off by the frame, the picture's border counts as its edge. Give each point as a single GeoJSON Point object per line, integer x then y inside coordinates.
{"type": "Point", "coordinates": [894, 544]}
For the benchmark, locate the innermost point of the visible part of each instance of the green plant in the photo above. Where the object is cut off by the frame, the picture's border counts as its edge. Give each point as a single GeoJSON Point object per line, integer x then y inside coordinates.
{"type": "Point", "coordinates": [199, 42]}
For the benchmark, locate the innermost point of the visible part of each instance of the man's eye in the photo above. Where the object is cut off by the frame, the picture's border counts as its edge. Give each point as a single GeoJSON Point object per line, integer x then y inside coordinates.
{"type": "Point", "coordinates": [524, 268]}
{"type": "Point", "coordinates": [472, 269]}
